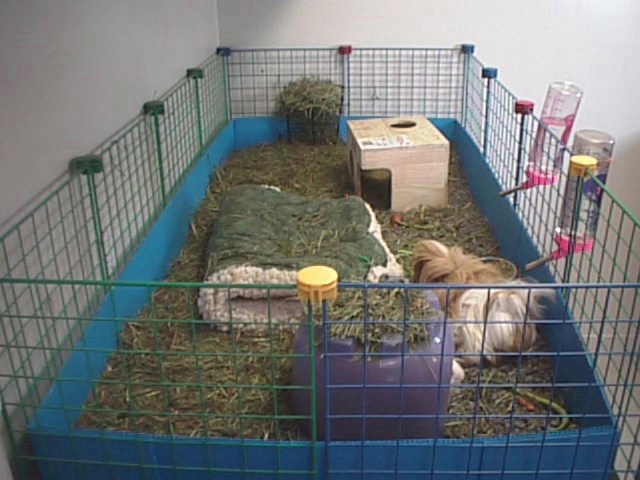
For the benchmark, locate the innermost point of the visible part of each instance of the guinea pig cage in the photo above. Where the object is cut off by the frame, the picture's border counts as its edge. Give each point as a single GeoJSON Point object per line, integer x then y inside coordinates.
{"type": "Point", "coordinates": [114, 367]}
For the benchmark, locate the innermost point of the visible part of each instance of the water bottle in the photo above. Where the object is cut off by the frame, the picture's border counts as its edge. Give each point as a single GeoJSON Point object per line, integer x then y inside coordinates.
{"type": "Point", "coordinates": [580, 210]}
{"type": "Point", "coordinates": [598, 145]}
{"type": "Point", "coordinates": [556, 120]}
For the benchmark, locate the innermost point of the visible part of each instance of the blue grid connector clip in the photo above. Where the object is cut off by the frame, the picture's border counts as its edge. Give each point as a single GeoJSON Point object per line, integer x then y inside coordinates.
{"type": "Point", "coordinates": [153, 107]}
{"type": "Point", "coordinates": [86, 164]}
{"type": "Point", "coordinates": [467, 48]}
{"type": "Point", "coordinates": [489, 72]}
{"type": "Point", "coordinates": [223, 51]}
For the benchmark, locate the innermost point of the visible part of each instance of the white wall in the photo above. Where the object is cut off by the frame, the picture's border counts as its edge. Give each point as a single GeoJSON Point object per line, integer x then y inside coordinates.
{"type": "Point", "coordinates": [594, 43]}
{"type": "Point", "coordinates": [74, 71]}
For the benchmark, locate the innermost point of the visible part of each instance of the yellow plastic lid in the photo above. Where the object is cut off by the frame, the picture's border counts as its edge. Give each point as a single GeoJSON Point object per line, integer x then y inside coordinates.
{"type": "Point", "coordinates": [581, 164]}
{"type": "Point", "coordinates": [317, 283]}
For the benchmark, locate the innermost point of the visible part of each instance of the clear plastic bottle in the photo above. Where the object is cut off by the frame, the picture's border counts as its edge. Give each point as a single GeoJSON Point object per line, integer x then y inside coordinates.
{"type": "Point", "coordinates": [557, 117]}
{"type": "Point", "coordinates": [579, 216]}
{"type": "Point", "coordinates": [576, 229]}
{"type": "Point", "coordinates": [598, 145]}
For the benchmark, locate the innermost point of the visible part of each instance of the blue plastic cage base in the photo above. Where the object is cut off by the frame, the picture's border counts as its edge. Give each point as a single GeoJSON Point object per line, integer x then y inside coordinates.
{"type": "Point", "coordinates": [65, 452]}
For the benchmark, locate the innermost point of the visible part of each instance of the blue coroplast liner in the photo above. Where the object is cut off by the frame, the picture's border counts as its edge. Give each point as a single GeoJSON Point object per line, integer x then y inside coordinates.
{"type": "Point", "coordinates": [65, 452]}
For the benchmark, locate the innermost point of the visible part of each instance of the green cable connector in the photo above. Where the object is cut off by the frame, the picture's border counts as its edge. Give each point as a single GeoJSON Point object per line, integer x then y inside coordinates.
{"type": "Point", "coordinates": [155, 108]}
{"type": "Point", "coordinates": [467, 51]}
{"type": "Point", "coordinates": [86, 164]}
{"type": "Point", "coordinates": [89, 165]}
{"type": "Point", "coordinates": [490, 74]}
{"type": "Point", "coordinates": [225, 52]}
{"type": "Point", "coordinates": [197, 74]}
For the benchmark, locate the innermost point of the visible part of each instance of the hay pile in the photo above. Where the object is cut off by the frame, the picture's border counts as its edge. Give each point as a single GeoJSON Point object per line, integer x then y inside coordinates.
{"type": "Point", "coordinates": [390, 312]}
{"type": "Point", "coordinates": [312, 107]}
{"type": "Point", "coordinates": [311, 100]}
{"type": "Point", "coordinates": [173, 374]}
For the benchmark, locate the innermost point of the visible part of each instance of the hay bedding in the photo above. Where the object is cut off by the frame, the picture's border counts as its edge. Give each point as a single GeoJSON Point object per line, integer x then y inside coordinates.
{"type": "Point", "coordinates": [173, 374]}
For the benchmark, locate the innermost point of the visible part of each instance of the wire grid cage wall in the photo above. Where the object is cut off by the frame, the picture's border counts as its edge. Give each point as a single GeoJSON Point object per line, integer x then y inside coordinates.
{"type": "Point", "coordinates": [86, 227]}
{"type": "Point", "coordinates": [604, 316]}
{"type": "Point", "coordinates": [377, 82]}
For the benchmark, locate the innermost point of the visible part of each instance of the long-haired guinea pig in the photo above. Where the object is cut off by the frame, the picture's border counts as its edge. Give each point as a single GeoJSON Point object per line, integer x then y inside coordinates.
{"type": "Point", "coordinates": [487, 320]}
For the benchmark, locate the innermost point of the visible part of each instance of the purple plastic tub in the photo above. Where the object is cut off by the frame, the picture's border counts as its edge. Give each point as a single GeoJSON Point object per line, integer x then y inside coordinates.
{"type": "Point", "coordinates": [396, 393]}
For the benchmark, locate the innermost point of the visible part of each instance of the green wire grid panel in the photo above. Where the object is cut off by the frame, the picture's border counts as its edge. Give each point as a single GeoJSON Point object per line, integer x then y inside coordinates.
{"type": "Point", "coordinates": [127, 193]}
{"type": "Point", "coordinates": [182, 377]}
{"type": "Point", "coordinates": [473, 98]}
{"type": "Point", "coordinates": [377, 82]}
{"type": "Point", "coordinates": [62, 257]}
{"type": "Point", "coordinates": [87, 225]}
{"type": "Point", "coordinates": [213, 94]}
{"type": "Point", "coordinates": [257, 76]}
{"type": "Point", "coordinates": [405, 81]}
{"type": "Point", "coordinates": [39, 323]}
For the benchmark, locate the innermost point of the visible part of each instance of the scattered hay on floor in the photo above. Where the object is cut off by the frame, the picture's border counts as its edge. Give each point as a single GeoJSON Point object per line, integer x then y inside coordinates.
{"type": "Point", "coordinates": [174, 374]}
{"type": "Point", "coordinates": [490, 406]}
